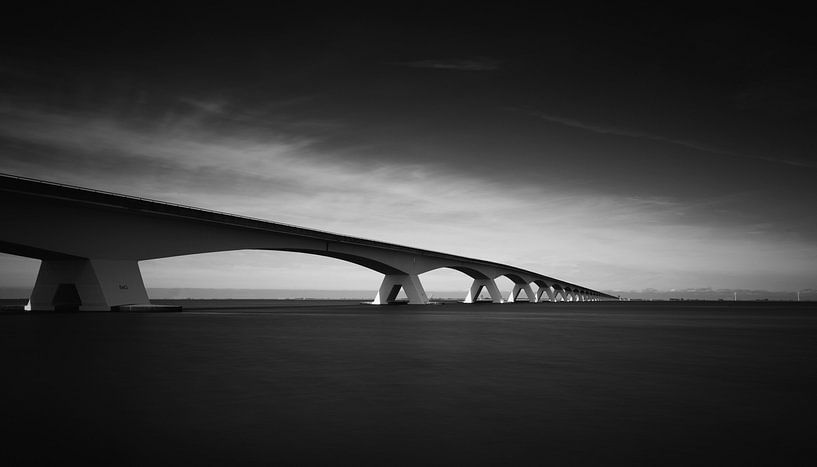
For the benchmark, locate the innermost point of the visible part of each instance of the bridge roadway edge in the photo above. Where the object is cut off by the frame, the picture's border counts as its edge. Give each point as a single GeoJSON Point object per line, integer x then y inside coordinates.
{"type": "Point", "coordinates": [126, 229]}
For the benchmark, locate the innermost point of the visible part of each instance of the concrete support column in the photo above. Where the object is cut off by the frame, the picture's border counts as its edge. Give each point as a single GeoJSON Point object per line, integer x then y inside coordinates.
{"type": "Point", "coordinates": [87, 285]}
{"type": "Point", "coordinates": [517, 288]}
{"type": "Point", "coordinates": [539, 292]}
{"type": "Point", "coordinates": [391, 285]}
{"type": "Point", "coordinates": [476, 288]}
{"type": "Point", "coordinates": [549, 290]}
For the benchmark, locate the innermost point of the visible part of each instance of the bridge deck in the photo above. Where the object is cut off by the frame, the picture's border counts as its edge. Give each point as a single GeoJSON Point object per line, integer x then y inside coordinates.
{"type": "Point", "coordinates": [20, 186]}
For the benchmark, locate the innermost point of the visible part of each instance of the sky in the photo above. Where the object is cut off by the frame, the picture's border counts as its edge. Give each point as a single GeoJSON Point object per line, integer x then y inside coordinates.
{"type": "Point", "coordinates": [623, 150]}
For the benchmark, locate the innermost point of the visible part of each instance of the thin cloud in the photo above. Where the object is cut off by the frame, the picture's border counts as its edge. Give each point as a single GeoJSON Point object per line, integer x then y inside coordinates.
{"type": "Point", "coordinates": [467, 64]}
{"type": "Point", "coordinates": [253, 173]}
{"type": "Point", "coordinates": [209, 106]}
{"type": "Point", "coordinates": [617, 131]}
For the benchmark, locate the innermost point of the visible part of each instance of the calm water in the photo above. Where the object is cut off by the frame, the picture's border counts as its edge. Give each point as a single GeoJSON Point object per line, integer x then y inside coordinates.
{"type": "Point", "coordinates": [331, 383]}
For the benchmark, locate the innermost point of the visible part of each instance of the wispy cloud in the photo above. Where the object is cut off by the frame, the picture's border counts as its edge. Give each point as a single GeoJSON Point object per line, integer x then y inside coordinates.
{"type": "Point", "coordinates": [458, 64]}
{"type": "Point", "coordinates": [600, 240]}
{"type": "Point", "coordinates": [689, 144]}
{"type": "Point", "coordinates": [209, 106]}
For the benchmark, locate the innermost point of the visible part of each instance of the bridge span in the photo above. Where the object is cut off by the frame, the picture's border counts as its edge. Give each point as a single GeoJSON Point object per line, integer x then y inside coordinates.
{"type": "Point", "coordinates": [90, 243]}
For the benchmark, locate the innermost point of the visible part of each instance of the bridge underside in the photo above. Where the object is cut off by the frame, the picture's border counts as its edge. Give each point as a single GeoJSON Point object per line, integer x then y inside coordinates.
{"type": "Point", "coordinates": [99, 285]}
{"type": "Point", "coordinates": [90, 244]}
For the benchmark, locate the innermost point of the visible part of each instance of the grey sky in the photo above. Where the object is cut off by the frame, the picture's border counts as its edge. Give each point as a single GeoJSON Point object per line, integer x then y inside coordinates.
{"type": "Point", "coordinates": [615, 157]}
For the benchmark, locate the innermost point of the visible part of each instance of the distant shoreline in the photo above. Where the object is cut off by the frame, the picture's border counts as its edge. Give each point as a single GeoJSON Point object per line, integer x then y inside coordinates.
{"type": "Point", "coordinates": [189, 293]}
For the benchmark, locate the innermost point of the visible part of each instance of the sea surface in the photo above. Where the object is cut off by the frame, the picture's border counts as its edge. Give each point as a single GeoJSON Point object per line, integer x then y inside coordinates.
{"type": "Point", "coordinates": [283, 382]}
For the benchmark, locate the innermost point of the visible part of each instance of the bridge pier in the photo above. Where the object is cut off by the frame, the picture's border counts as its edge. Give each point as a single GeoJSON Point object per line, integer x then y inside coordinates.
{"type": "Point", "coordinates": [539, 292]}
{"type": "Point", "coordinates": [87, 285]}
{"type": "Point", "coordinates": [561, 295]}
{"type": "Point", "coordinates": [551, 296]}
{"type": "Point", "coordinates": [391, 285]}
{"type": "Point", "coordinates": [517, 288]}
{"type": "Point", "coordinates": [476, 288]}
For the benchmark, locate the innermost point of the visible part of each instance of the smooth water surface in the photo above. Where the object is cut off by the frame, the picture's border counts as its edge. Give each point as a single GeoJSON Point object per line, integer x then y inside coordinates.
{"type": "Point", "coordinates": [278, 382]}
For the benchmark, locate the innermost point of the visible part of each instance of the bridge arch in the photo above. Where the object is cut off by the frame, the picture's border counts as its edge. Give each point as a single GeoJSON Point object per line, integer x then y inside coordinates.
{"type": "Point", "coordinates": [368, 263]}
{"type": "Point", "coordinates": [482, 279]}
{"type": "Point", "coordinates": [126, 230]}
{"type": "Point", "coordinates": [546, 291]}
{"type": "Point", "coordinates": [520, 284]}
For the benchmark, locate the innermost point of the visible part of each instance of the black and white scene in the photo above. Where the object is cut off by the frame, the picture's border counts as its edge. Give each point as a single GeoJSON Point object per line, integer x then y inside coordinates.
{"type": "Point", "coordinates": [408, 234]}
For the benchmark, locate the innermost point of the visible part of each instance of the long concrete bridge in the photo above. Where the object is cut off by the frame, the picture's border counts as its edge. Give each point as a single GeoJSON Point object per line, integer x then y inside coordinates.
{"type": "Point", "coordinates": [90, 243]}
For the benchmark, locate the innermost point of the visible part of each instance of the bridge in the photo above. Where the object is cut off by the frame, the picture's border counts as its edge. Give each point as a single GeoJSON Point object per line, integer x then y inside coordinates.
{"type": "Point", "coordinates": [90, 243]}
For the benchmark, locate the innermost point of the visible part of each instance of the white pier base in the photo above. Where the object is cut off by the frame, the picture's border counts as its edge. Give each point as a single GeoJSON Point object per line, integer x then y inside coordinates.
{"type": "Point", "coordinates": [87, 285]}
{"type": "Point", "coordinates": [476, 288]}
{"type": "Point", "coordinates": [560, 296]}
{"type": "Point", "coordinates": [392, 283]}
{"type": "Point", "coordinates": [551, 295]}
{"type": "Point", "coordinates": [517, 288]}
